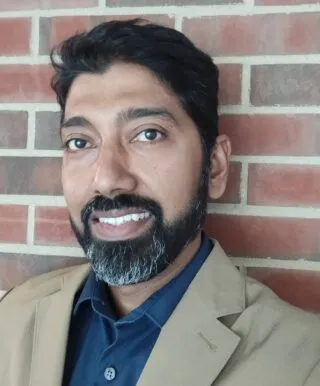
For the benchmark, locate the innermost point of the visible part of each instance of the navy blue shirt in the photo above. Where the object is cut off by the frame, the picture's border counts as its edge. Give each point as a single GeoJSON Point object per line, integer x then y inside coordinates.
{"type": "Point", "coordinates": [104, 350]}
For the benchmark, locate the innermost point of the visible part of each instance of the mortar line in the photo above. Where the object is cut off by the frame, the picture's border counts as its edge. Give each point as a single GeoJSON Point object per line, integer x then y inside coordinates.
{"type": "Point", "coordinates": [285, 212]}
{"type": "Point", "coordinates": [102, 4]}
{"type": "Point", "coordinates": [186, 10]}
{"type": "Point", "coordinates": [35, 34]}
{"type": "Point", "coordinates": [244, 183]}
{"type": "Point", "coordinates": [272, 110]}
{"type": "Point", "coordinates": [178, 22]}
{"type": "Point", "coordinates": [279, 160]}
{"type": "Point", "coordinates": [46, 250]}
{"type": "Point", "coordinates": [31, 135]}
{"type": "Point", "coordinates": [245, 85]}
{"type": "Point", "coordinates": [255, 262]}
{"type": "Point", "coordinates": [30, 151]}
{"type": "Point", "coordinates": [268, 59]}
{"type": "Point", "coordinates": [30, 106]}
{"type": "Point", "coordinates": [15, 199]}
{"type": "Point", "coordinates": [31, 223]}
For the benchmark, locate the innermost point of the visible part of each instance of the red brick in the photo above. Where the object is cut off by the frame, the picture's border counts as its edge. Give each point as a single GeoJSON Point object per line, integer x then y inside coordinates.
{"type": "Point", "coordinates": [230, 84]}
{"type": "Point", "coordinates": [132, 3]}
{"type": "Point", "coordinates": [25, 83]}
{"type": "Point", "coordinates": [284, 185]}
{"type": "Point", "coordinates": [300, 288]}
{"type": "Point", "coordinates": [292, 135]}
{"type": "Point", "coordinates": [19, 30]}
{"type": "Point", "coordinates": [253, 236]}
{"type": "Point", "coordinates": [54, 30]}
{"type": "Point", "coordinates": [256, 35]}
{"type": "Point", "coordinates": [290, 84]}
{"type": "Point", "coordinates": [52, 227]}
{"type": "Point", "coordinates": [13, 223]}
{"type": "Point", "coordinates": [13, 129]}
{"type": "Point", "coordinates": [232, 193]}
{"type": "Point", "coordinates": [30, 175]}
{"type": "Point", "coordinates": [13, 5]}
{"type": "Point", "coordinates": [16, 268]}
{"type": "Point", "coordinates": [285, 2]}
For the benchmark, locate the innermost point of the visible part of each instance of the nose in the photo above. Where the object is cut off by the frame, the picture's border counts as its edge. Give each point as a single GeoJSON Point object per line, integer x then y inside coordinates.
{"type": "Point", "coordinates": [112, 174]}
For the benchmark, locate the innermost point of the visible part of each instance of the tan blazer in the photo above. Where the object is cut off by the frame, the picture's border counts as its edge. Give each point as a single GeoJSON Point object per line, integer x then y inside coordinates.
{"type": "Point", "coordinates": [227, 330]}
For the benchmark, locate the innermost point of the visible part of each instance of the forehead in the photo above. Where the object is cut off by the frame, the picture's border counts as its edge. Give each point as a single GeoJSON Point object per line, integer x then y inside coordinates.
{"type": "Point", "coordinates": [121, 84]}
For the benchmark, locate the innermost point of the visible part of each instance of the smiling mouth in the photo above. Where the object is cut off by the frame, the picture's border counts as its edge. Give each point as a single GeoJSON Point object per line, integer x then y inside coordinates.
{"type": "Point", "coordinates": [116, 225]}
{"type": "Point", "coordinates": [117, 221]}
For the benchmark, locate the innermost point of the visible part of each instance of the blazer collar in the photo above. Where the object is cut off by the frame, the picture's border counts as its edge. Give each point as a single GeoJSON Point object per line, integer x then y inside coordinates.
{"type": "Point", "coordinates": [194, 346]}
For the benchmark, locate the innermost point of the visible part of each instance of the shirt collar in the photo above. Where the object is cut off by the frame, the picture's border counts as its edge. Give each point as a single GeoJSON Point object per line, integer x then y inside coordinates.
{"type": "Point", "coordinates": [94, 292]}
{"type": "Point", "coordinates": [160, 305]}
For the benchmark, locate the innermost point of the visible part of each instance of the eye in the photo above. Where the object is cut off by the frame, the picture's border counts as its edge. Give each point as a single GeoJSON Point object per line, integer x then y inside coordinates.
{"type": "Point", "coordinates": [149, 135]}
{"type": "Point", "coordinates": [76, 144]}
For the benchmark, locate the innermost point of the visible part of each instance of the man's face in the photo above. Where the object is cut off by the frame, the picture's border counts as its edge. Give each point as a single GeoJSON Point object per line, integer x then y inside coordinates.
{"type": "Point", "coordinates": [131, 173]}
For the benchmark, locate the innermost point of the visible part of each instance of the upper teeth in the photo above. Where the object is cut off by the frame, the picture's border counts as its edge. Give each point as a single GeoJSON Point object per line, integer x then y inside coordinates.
{"type": "Point", "coordinates": [122, 219]}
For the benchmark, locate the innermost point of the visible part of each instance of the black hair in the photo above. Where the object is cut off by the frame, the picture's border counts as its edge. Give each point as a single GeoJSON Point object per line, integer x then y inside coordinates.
{"type": "Point", "coordinates": [167, 53]}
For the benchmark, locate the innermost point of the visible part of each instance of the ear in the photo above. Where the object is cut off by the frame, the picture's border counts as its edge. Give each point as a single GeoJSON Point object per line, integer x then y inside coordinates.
{"type": "Point", "coordinates": [219, 167]}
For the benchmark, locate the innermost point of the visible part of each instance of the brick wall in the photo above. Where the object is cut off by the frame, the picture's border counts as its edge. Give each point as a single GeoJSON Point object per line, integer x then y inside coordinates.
{"type": "Point", "coordinates": [269, 55]}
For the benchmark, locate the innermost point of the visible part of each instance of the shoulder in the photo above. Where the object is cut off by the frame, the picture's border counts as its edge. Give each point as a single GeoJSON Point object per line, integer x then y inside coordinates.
{"type": "Point", "coordinates": [267, 309]}
{"type": "Point", "coordinates": [43, 285]}
{"type": "Point", "coordinates": [261, 299]}
{"type": "Point", "coordinates": [280, 330]}
{"type": "Point", "coordinates": [281, 340]}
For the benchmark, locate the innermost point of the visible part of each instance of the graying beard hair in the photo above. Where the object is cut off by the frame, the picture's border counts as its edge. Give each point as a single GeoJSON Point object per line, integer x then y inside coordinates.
{"type": "Point", "coordinates": [141, 268]}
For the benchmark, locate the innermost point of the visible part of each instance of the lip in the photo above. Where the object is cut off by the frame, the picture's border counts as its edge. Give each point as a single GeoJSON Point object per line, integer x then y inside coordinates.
{"type": "Point", "coordinates": [125, 231]}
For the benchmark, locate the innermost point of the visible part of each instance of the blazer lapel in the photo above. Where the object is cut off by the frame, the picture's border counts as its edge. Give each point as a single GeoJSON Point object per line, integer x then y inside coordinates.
{"type": "Point", "coordinates": [192, 349]}
{"type": "Point", "coordinates": [194, 346]}
{"type": "Point", "coordinates": [51, 330]}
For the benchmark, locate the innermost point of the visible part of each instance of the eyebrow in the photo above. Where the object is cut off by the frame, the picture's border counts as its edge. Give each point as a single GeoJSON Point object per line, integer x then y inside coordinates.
{"type": "Point", "coordinates": [132, 114]}
{"type": "Point", "coordinates": [124, 116]}
{"type": "Point", "coordinates": [79, 121]}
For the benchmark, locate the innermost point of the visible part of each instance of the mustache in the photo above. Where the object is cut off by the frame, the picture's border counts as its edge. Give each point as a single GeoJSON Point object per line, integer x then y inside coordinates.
{"type": "Point", "coordinates": [122, 201]}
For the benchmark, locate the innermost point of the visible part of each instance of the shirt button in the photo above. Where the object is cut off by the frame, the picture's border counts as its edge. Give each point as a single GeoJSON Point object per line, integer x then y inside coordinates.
{"type": "Point", "coordinates": [110, 373]}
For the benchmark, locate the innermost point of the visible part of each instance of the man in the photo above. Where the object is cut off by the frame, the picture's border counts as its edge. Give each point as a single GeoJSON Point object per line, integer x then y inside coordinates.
{"type": "Point", "coordinates": [159, 303]}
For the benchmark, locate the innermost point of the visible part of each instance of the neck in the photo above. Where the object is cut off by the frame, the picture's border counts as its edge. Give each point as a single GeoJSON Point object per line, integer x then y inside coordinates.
{"type": "Point", "coordinates": [127, 298]}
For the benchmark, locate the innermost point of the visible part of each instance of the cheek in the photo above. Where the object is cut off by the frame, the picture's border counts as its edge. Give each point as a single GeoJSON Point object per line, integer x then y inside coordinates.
{"type": "Point", "coordinates": [175, 181]}
{"type": "Point", "coordinates": [74, 182]}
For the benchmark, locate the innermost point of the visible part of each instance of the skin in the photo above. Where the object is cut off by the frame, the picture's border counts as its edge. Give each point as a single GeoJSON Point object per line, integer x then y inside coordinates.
{"type": "Point", "coordinates": [120, 158]}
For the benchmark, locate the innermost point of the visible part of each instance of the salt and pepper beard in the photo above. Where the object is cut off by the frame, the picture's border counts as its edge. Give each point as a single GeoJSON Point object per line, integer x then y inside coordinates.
{"type": "Point", "coordinates": [137, 260]}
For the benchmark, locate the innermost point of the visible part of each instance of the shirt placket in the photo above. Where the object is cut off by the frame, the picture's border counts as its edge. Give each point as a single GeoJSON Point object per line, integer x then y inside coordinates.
{"type": "Point", "coordinates": [114, 369]}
